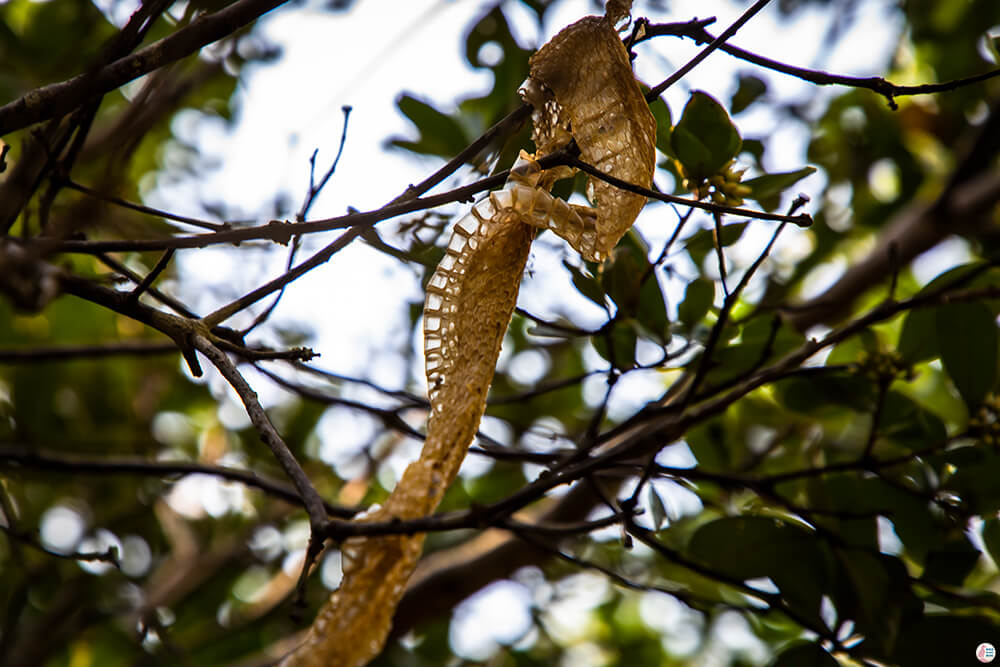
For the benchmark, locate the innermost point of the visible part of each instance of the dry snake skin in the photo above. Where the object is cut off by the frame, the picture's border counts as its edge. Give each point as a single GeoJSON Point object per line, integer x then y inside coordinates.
{"type": "Point", "coordinates": [582, 88]}
{"type": "Point", "coordinates": [582, 85]}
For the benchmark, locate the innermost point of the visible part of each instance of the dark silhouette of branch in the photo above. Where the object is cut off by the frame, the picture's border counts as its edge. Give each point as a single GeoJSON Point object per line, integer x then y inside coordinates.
{"type": "Point", "coordinates": [718, 42]}
{"type": "Point", "coordinates": [504, 126]}
{"type": "Point", "coordinates": [71, 464]}
{"type": "Point", "coordinates": [316, 188]}
{"type": "Point", "coordinates": [697, 31]}
{"type": "Point", "coordinates": [154, 273]}
{"type": "Point", "coordinates": [311, 499]}
{"type": "Point", "coordinates": [802, 219]}
{"type": "Point", "coordinates": [165, 299]}
{"type": "Point", "coordinates": [962, 207]}
{"type": "Point", "coordinates": [141, 208]}
{"type": "Point", "coordinates": [125, 348]}
{"type": "Point", "coordinates": [57, 99]}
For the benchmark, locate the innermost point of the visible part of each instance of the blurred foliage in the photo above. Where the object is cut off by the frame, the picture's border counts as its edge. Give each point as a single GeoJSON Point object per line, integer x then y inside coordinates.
{"type": "Point", "coordinates": [859, 496]}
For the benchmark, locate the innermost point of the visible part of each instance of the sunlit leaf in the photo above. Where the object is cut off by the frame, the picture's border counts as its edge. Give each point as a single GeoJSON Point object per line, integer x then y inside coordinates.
{"type": "Point", "coordinates": [704, 139]}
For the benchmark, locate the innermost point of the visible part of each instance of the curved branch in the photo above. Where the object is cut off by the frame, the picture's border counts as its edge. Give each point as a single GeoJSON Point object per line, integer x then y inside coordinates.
{"type": "Point", "coordinates": [57, 99]}
{"type": "Point", "coordinates": [696, 31]}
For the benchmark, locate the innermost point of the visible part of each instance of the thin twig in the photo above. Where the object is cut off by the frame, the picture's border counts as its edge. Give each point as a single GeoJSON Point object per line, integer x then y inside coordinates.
{"type": "Point", "coordinates": [73, 464]}
{"type": "Point", "coordinates": [57, 99]}
{"type": "Point", "coordinates": [311, 499]}
{"type": "Point", "coordinates": [658, 89]}
{"type": "Point", "coordinates": [877, 84]}
{"type": "Point", "coordinates": [141, 208]}
{"type": "Point", "coordinates": [125, 348]}
{"type": "Point", "coordinates": [151, 277]}
{"type": "Point", "coordinates": [802, 219]}
{"type": "Point", "coordinates": [502, 127]}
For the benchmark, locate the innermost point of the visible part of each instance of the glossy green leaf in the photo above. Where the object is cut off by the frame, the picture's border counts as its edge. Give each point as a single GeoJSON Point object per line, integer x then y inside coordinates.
{"type": "Point", "coordinates": [967, 335]}
{"type": "Point", "coordinates": [767, 189]}
{"type": "Point", "coordinates": [973, 478]}
{"type": "Point", "coordinates": [748, 547]}
{"type": "Point", "coordinates": [874, 591]}
{"type": "Point", "coordinates": [905, 421]}
{"type": "Point", "coordinates": [630, 280]}
{"type": "Point", "coordinates": [918, 338]}
{"type": "Point", "coordinates": [652, 311]}
{"type": "Point", "coordinates": [704, 139]}
{"type": "Point", "coordinates": [817, 394]}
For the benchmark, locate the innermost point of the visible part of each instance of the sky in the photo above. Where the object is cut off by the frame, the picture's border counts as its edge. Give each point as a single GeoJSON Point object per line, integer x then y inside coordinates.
{"type": "Point", "coordinates": [288, 109]}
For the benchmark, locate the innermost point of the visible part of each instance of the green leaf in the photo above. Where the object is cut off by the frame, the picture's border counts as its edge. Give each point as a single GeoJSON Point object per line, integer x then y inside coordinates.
{"type": "Point", "coordinates": [586, 284]}
{"type": "Point", "coordinates": [952, 560]}
{"type": "Point", "coordinates": [705, 138]}
{"type": "Point", "coordinates": [652, 313]}
{"type": "Point", "coordinates": [664, 125]}
{"type": "Point", "coordinates": [918, 337]}
{"type": "Point", "coordinates": [440, 134]}
{"type": "Point", "coordinates": [767, 189]}
{"type": "Point", "coordinates": [817, 395]}
{"type": "Point", "coordinates": [698, 298]}
{"type": "Point", "coordinates": [991, 538]}
{"type": "Point", "coordinates": [874, 590]}
{"type": "Point", "coordinates": [967, 336]}
{"type": "Point", "coordinates": [631, 282]}
{"type": "Point", "coordinates": [905, 421]}
{"type": "Point", "coordinates": [974, 479]}
{"type": "Point", "coordinates": [702, 242]}
{"type": "Point", "coordinates": [750, 88]}
{"type": "Point", "coordinates": [617, 346]}
{"type": "Point", "coordinates": [939, 639]}
{"type": "Point", "coordinates": [805, 655]}
{"type": "Point", "coordinates": [747, 547]}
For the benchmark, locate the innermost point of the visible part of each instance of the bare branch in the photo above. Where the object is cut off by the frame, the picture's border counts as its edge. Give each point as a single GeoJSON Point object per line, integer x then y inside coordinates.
{"type": "Point", "coordinates": [14, 458]}
{"type": "Point", "coordinates": [696, 30]}
{"type": "Point", "coordinates": [57, 99]}
{"type": "Point", "coordinates": [718, 42]}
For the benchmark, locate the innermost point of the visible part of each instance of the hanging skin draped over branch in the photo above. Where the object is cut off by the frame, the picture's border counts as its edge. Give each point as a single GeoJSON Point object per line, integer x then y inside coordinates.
{"type": "Point", "coordinates": [581, 87]}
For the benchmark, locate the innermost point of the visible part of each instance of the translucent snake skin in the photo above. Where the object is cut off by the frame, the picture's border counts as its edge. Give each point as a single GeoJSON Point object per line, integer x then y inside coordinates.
{"type": "Point", "coordinates": [582, 88]}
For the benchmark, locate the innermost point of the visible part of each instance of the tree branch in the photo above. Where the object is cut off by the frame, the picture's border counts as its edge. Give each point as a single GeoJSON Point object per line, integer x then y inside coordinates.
{"type": "Point", "coordinates": [57, 99]}
{"type": "Point", "coordinates": [49, 461]}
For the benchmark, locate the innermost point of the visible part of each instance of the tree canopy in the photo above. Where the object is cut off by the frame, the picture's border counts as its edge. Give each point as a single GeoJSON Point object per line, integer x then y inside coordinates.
{"type": "Point", "coordinates": [764, 431]}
